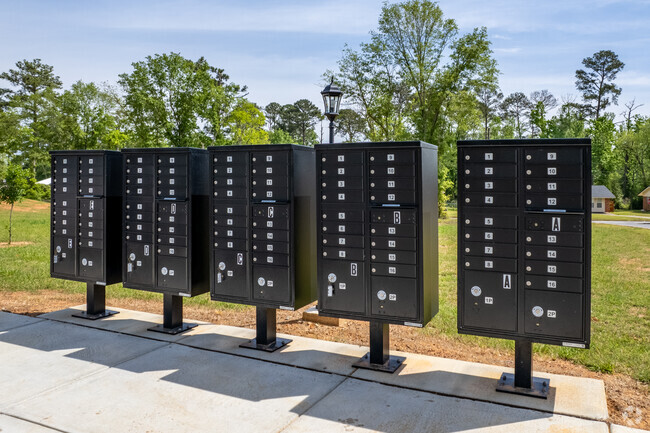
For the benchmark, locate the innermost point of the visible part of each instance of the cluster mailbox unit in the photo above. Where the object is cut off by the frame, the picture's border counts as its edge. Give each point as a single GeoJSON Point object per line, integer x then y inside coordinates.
{"type": "Point", "coordinates": [378, 237]}
{"type": "Point", "coordinates": [263, 246]}
{"type": "Point", "coordinates": [524, 250]}
{"type": "Point", "coordinates": [85, 230]}
{"type": "Point", "coordinates": [165, 222]}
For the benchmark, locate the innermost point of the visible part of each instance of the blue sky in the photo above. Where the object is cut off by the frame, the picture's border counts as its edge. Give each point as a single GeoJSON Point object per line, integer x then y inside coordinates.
{"type": "Point", "coordinates": [280, 49]}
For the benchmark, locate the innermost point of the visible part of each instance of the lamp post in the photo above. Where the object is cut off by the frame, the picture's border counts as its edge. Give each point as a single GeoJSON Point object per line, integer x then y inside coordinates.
{"type": "Point", "coordinates": [332, 99]}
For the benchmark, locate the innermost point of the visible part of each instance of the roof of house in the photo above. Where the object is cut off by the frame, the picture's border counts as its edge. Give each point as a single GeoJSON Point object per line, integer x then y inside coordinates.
{"type": "Point", "coordinates": [645, 192]}
{"type": "Point", "coordinates": [601, 191]}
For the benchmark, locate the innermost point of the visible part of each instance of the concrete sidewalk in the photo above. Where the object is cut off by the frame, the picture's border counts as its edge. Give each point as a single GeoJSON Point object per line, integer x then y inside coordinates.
{"type": "Point", "coordinates": [58, 373]}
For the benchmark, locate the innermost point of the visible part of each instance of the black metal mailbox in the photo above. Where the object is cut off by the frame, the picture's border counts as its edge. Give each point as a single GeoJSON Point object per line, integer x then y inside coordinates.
{"type": "Point", "coordinates": [524, 250]}
{"type": "Point", "coordinates": [262, 237]}
{"type": "Point", "coordinates": [86, 204]}
{"type": "Point", "coordinates": [165, 222]}
{"type": "Point", "coordinates": [378, 236]}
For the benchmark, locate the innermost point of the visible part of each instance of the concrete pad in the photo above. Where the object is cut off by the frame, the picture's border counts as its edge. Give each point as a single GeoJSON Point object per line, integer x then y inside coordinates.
{"type": "Point", "coordinates": [9, 424]}
{"type": "Point", "coordinates": [622, 429]}
{"type": "Point", "coordinates": [10, 320]}
{"type": "Point", "coordinates": [302, 352]}
{"type": "Point", "coordinates": [48, 354]}
{"type": "Point", "coordinates": [575, 396]}
{"type": "Point", "coordinates": [181, 389]}
{"type": "Point", "coordinates": [357, 406]}
{"type": "Point", "coordinates": [127, 322]}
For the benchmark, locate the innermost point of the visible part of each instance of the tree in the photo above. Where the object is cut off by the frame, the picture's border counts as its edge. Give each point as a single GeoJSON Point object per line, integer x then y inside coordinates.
{"type": "Point", "coordinates": [31, 98]}
{"type": "Point", "coordinates": [246, 123]}
{"type": "Point", "coordinates": [597, 82]}
{"type": "Point", "coordinates": [489, 100]}
{"type": "Point", "coordinates": [516, 107]}
{"type": "Point", "coordinates": [542, 101]}
{"type": "Point", "coordinates": [13, 189]}
{"type": "Point", "coordinates": [350, 125]}
{"type": "Point", "coordinates": [273, 113]}
{"type": "Point", "coordinates": [298, 119]}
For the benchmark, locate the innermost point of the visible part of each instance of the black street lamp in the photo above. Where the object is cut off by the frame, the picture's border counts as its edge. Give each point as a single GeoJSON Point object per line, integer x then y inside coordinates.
{"type": "Point", "coordinates": [332, 99]}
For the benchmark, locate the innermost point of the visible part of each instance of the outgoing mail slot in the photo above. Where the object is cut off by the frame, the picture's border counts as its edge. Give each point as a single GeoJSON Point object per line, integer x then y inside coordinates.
{"type": "Point", "coordinates": [91, 263]}
{"type": "Point", "coordinates": [355, 254]}
{"type": "Point", "coordinates": [343, 228]}
{"type": "Point", "coordinates": [553, 313]}
{"type": "Point", "coordinates": [553, 283]}
{"type": "Point", "coordinates": [560, 156]}
{"type": "Point", "coordinates": [394, 297]}
{"type": "Point", "coordinates": [490, 171]}
{"type": "Point", "coordinates": [231, 244]}
{"type": "Point", "coordinates": [555, 222]}
{"type": "Point", "coordinates": [554, 239]}
{"type": "Point", "coordinates": [172, 273]}
{"type": "Point", "coordinates": [553, 171]}
{"type": "Point", "coordinates": [566, 186]}
{"type": "Point", "coordinates": [491, 220]}
{"type": "Point", "coordinates": [231, 273]}
{"type": "Point", "coordinates": [387, 256]}
{"type": "Point", "coordinates": [487, 185]}
{"type": "Point", "coordinates": [231, 232]}
{"type": "Point", "coordinates": [561, 254]}
{"type": "Point", "coordinates": [484, 249]}
{"type": "Point", "coordinates": [393, 196]}
{"type": "Point", "coordinates": [348, 196]}
{"type": "Point", "coordinates": [491, 199]}
{"type": "Point", "coordinates": [562, 269]}
{"type": "Point", "coordinates": [384, 171]}
{"type": "Point", "coordinates": [179, 241]}
{"type": "Point", "coordinates": [272, 284]}
{"type": "Point", "coordinates": [271, 247]}
{"type": "Point", "coordinates": [401, 230]}
{"type": "Point", "coordinates": [392, 157]}
{"type": "Point", "coordinates": [489, 300]}
{"type": "Point", "coordinates": [554, 201]}
{"type": "Point", "coordinates": [271, 259]}
{"type": "Point", "coordinates": [347, 293]}
{"type": "Point", "coordinates": [490, 235]}
{"type": "Point", "coordinates": [347, 241]}
{"type": "Point", "coordinates": [271, 235]}
{"type": "Point", "coordinates": [489, 155]}
{"type": "Point", "coordinates": [490, 264]}
{"type": "Point", "coordinates": [404, 244]}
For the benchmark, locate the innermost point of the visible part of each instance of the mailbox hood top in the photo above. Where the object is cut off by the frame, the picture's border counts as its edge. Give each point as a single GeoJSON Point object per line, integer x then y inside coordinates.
{"type": "Point", "coordinates": [538, 142]}
{"type": "Point", "coordinates": [375, 145]}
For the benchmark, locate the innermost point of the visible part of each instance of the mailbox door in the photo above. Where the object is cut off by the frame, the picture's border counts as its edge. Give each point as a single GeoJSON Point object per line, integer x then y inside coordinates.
{"type": "Point", "coordinates": [64, 255]}
{"type": "Point", "coordinates": [343, 286]}
{"type": "Point", "coordinates": [231, 274]}
{"type": "Point", "coordinates": [139, 263]}
{"type": "Point", "coordinates": [490, 300]}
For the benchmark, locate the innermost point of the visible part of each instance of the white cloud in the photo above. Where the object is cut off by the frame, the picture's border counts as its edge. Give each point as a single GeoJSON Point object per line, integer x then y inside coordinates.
{"type": "Point", "coordinates": [634, 78]}
{"type": "Point", "coordinates": [513, 50]}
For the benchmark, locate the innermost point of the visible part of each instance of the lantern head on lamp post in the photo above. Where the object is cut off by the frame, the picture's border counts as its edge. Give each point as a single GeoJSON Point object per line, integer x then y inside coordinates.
{"type": "Point", "coordinates": [332, 99]}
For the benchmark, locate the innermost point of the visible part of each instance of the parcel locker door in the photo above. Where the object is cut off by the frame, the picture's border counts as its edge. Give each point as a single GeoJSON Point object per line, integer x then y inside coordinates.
{"type": "Point", "coordinates": [139, 264]}
{"type": "Point", "coordinates": [490, 301]}
{"type": "Point", "coordinates": [394, 297]}
{"type": "Point", "coordinates": [173, 273]}
{"type": "Point", "coordinates": [63, 255]}
{"type": "Point", "coordinates": [554, 314]}
{"type": "Point", "coordinates": [230, 274]}
{"type": "Point", "coordinates": [91, 263]}
{"type": "Point", "coordinates": [344, 285]}
{"type": "Point", "coordinates": [272, 284]}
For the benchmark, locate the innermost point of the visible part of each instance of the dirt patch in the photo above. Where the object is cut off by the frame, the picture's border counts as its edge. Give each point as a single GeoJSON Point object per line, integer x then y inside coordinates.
{"type": "Point", "coordinates": [627, 399]}
{"type": "Point", "coordinates": [27, 206]}
{"type": "Point", "coordinates": [14, 244]}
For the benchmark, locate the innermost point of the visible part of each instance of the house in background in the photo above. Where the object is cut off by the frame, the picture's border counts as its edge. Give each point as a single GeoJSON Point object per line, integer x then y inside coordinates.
{"type": "Point", "coordinates": [646, 199]}
{"type": "Point", "coordinates": [602, 199]}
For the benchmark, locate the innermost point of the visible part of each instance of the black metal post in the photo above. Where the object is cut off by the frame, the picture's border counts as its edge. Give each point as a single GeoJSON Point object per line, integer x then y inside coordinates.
{"type": "Point", "coordinates": [523, 382]}
{"type": "Point", "coordinates": [172, 316]}
{"type": "Point", "coordinates": [379, 358]}
{"type": "Point", "coordinates": [95, 303]}
{"type": "Point", "coordinates": [331, 131]}
{"type": "Point", "coordinates": [266, 338]}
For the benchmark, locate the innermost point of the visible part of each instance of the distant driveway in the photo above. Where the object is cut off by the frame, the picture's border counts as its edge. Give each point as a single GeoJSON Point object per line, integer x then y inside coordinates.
{"type": "Point", "coordinates": [637, 224]}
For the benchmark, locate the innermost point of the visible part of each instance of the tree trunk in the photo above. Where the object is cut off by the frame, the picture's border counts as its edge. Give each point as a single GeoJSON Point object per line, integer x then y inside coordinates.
{"type": "Point", "coordinates": [11, 213]}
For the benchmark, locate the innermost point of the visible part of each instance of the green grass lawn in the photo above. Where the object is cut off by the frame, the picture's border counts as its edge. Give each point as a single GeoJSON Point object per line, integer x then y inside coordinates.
{"type": "Point", "coordinates": [620, 288]}
{"type": "Point", "coordinates": [622, 215]}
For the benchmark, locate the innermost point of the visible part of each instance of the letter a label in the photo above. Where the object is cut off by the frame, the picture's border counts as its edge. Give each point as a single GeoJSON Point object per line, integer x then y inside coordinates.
{"type": "Point", "coordinates": [507, 281]}
{"type": "Point", "coordinates": [555, 224]}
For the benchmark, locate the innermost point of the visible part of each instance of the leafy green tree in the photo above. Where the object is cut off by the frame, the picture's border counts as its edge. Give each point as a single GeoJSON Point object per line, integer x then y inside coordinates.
{"type": "Point", "coordinates": [299, 119]}
{"type": "Point", "coordinates": [31, 98]}
{"type": "Point", "coordinates": [280, 136]}
{"type": "Point", "coordinates": [568, 123]}
{"type": "Point", "coordinates": [541, 102]}
{"type": "Point", "coordinates": [246, 122]}
{"type": "Point", "coordinates": [597, 82]}
{"type": "Point", "coordinates": [632, 152]}
{"type": "Point", "coordinates": [489, 100]}
{"type": "Point", "coordinates": [603, 163]}
{"type": "Point", "coordinates": [13, 189]}
{"type": "Point", "coordinates": [350, 125]}
{"type": "Point", "coordinates": [273, 113]}
{"type": "Point", "coordinates": [516, 107]}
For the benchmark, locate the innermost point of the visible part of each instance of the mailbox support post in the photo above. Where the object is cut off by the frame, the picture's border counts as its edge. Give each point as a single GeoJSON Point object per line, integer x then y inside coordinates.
{"type": "Point", "coordinates": [172, 316]}
{"type": "Point", "coordinates": [523, 382]}
{"type": "Point", "coordinates": [95, 303]}
{"type": "Point", "coordinates": [266, 338]}
{"type": "Point", "coordinates": [379, 358]}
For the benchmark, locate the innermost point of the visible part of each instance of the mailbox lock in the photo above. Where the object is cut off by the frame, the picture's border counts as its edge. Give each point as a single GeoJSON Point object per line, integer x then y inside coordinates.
{"type": "Point", "coordinates": [538, 311]}
{"type": "Point", "coordinates": [132, 257]}
{"type": "Point", "coordinates": [261, 281]}
{"type": "Point", "coordinates": [381, 295]}
{"type": "Point", "coordinates": [529, 172]}
{"type": "Point", "coordinates": [222, 266]}
{"type": "Point", "coordinates": [331, 278]}
{"type": "Point", "coordinates": [476, 291]}
{"type": "Point", "coordinates": [163, 270]}
{"type": "Point", "coordinates": [58, 248]}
